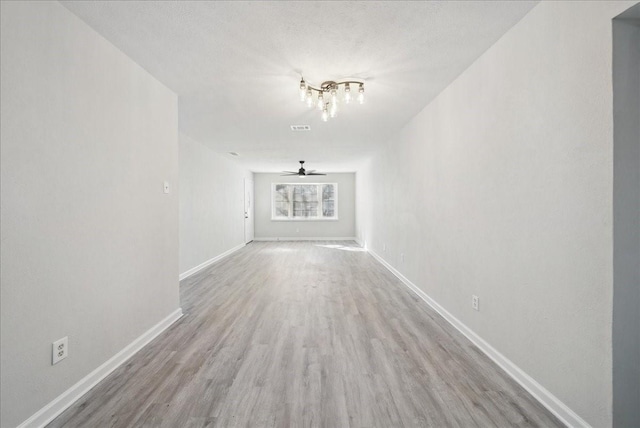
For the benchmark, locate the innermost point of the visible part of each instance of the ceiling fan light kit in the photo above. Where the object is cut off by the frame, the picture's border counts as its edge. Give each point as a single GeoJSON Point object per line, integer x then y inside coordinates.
{"type": "Point", "coordinates": [329, 95]}
{"type": "Point", "coordinates": [302, 172]}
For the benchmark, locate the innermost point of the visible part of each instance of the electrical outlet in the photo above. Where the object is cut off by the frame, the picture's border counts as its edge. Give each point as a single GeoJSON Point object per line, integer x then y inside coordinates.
{"type": "Point", "coordinates": [475, 302]}
{"type": "Point", "coordinates": [60, 350]}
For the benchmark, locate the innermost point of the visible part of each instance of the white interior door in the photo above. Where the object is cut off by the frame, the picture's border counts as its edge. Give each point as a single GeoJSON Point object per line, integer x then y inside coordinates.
{"type": "Point", "coordinates": [248, 210]}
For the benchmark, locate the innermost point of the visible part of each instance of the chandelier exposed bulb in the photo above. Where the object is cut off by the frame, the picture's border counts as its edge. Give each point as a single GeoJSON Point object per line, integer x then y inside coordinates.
{"type": "Point", "coordinates": [347, 93]}
{"type": "Point", "coordinates": [309, 98]}
{"type": "Point", "coordinates": [303, 90]}
{"type": "Point", "coordinates": [330, 95]}
{"type": "Point", "coordinates": [333, 111]}
{"type": "Point", "coordinates": [334, 95]}
{"type": "Point", "coordinates": [325, 113]}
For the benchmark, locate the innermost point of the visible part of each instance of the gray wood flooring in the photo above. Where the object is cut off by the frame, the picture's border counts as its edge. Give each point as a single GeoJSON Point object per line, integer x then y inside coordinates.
{"type": "Point", "coordinates": [303, 334]}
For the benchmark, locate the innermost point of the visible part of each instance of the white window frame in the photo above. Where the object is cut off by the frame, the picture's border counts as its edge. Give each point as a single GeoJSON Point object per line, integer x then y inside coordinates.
{"type": "Point", "coordinates": [319, 193]}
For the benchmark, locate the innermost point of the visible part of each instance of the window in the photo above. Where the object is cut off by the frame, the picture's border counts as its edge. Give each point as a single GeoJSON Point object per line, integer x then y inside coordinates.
{"type": "Point", "coordinates": [308, 201]}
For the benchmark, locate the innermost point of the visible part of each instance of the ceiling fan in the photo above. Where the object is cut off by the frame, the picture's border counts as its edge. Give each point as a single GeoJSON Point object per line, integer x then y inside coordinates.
{"type": "Point", "coordinates": [302, 172]}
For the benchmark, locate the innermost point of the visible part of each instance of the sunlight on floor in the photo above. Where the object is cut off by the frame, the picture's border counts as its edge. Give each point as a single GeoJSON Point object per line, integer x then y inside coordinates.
{"type": "Point", "coordinates": [340, 247]}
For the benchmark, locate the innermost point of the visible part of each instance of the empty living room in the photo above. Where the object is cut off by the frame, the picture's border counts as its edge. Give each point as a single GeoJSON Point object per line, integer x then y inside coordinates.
{"type": "Point", "coordinates": [320, 214]}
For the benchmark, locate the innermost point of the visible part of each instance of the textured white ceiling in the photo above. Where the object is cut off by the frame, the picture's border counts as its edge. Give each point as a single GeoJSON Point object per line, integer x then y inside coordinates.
{"type": "Point", "coordinates": [236, 67]}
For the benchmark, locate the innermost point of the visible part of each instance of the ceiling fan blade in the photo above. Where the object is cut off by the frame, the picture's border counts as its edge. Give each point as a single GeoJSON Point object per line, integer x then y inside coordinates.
{"type": "Point", "coordinates": [302, 172]}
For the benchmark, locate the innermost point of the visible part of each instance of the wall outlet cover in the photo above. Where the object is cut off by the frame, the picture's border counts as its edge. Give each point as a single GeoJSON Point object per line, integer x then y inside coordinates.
{"type": "Point", "coordinates": [59, 350]}
{"type": "Point", "coordinates": [475, 302]}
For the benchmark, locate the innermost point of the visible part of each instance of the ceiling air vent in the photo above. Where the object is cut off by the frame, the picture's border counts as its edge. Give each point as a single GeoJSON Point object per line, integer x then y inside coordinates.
{"type": "Point", "coordinates": [300, 128]}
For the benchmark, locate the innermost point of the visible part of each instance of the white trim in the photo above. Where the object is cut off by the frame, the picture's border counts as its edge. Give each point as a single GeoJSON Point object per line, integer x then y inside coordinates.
{"type": "Point", "coordinates": [539, 392]}
{"type": "Point", "coordinates": [249, 202]}
{"type": "Point", "coordinates": [203, 265]}
{"type": "Point", "coordinates": [284, 238]}
{"type": "Point", "coordinates": [71, 395]}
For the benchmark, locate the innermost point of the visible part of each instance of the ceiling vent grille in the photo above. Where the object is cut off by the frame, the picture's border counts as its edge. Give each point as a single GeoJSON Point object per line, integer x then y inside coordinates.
{"type": "Point", "coordinates": [300, 128]}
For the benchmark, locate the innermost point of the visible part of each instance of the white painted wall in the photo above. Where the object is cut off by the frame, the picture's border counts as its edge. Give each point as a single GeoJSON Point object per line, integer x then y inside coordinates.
{"type": "Point", "coordinates": [211, 204]}
{"type": "Point", "coordinates": [89, 239]}
{"type": "Point", "coordinates": [502, 187]}
{"type": "Point", "coordinates": [626, 221]}
{"type": "Point", "coordinates": [344, 227]}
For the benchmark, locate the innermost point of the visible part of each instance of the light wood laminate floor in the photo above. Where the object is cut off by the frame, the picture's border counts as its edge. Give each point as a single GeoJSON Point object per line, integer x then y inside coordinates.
{"type": "Point", "coordinates": [303, 334]}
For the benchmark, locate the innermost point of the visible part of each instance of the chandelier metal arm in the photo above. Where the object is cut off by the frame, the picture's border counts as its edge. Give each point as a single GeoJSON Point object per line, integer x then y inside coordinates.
{"type": "Point", "coordinates": [329, 84]}
{"type": "Point", "coordinates": [329, 107]}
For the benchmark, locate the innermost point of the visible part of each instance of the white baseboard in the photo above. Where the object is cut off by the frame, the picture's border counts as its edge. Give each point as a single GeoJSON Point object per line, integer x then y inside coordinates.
{"type": "Point", "coordinates": [71, 395]}
{"type": "Point", "coordinates": [342, 238]}
{"type": "Point", "coordinates": [209, 262]}
{"type": "Point", "coordinates": [540, 393]}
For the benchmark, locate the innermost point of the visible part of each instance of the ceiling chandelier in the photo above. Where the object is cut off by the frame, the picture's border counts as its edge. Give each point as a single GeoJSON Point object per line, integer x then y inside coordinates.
{"type": "Point", "coordinates": [329, 94]}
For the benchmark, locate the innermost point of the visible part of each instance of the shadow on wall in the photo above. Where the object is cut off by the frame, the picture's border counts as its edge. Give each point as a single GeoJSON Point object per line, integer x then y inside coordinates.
{"type": "Point", "coordinates": [626, 218]}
